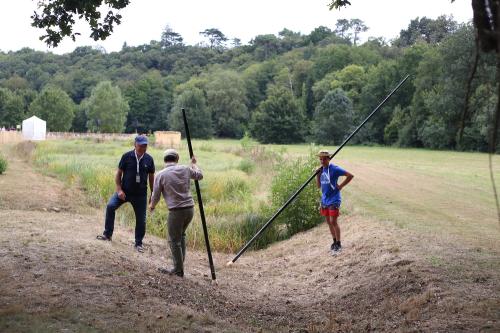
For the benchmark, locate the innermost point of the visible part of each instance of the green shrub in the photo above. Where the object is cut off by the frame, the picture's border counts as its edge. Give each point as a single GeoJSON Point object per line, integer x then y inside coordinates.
{"type": "Point", "coordinates": [3, 164]}
{"type": "Point", "coordinates": [253, 222]}
{"type": "Point", "coordinates": [247, 143]}
{"type": "Point", "coordinates": [247, 166]}
{"type": "Point", "coordinates": [302, 214]}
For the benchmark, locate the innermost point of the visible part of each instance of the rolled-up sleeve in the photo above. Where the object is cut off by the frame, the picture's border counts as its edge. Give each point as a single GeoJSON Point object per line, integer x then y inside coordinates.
{"type": "Point", "coordinates": [195, 172]}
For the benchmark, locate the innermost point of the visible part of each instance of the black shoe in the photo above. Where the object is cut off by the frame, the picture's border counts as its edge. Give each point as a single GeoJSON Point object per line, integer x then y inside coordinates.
{"type": "Point", "coordinates": [336, 249]}
{"type": "Point", "coordinates": [171, 271]}
{"type": "Point", "coordinates": [103, 237]}
{"type": "Point", "coordinates": [332, 246]}
{"type": "Point", "coordinates": [139, 248]}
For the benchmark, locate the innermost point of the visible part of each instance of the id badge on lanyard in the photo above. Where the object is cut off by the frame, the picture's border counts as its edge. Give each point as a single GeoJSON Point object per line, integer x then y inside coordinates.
{"type": "Point", "coordinates": [137, 175]}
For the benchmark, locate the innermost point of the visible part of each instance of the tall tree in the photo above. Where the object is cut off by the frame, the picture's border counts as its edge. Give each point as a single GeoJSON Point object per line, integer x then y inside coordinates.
{"type": "Point", "coordinates": [333, 118]}
{"type": "Point", "coordinates": [215, 37]}
{"type": "Point", "coordinates": [342, 28]}
{"type": "Point", "coordinates": [106, 109]}
{"type": "Point", "coordinates": [226, 100]}
{"type": "Point", "coordinates": [266, 46]}
{"type": "Point", "coordinates": [170, 38]}
{"type": "Point", "coordinates": [256, 78]}
{"type": "Point", "coordinates": [357, 27]}
{"type": "Point", "coordinates": [200, 119]}
{"type": "Point", "coordinates": [55, 107]}
{"type": "Point", "coordinates": [11, 108]}
{"type": "Point", "coordinates": [279, 119]}
{"type": "Point", "coordinates": [427, 30]}
{"type": "Point", "coordinates": [149, 103]}
{"type": "Point", "coordinates": [319, 34]}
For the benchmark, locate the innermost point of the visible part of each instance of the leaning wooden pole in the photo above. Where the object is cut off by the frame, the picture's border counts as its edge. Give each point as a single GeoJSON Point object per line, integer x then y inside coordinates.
{"type": "Point", "coordinates": [200, 202]}
{"type": "Point", "coordinates": [244, 248]}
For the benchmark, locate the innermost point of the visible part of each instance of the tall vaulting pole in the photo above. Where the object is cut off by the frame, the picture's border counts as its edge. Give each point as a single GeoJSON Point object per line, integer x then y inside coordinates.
{"type": "Point", "coordinates": [244, 248]}
{"type": "Point", "coordinates": [200, 202]}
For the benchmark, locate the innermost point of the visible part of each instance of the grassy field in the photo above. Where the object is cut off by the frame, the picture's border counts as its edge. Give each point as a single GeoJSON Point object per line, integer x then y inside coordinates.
{"type": "Point", "coordinates": [420, 238]}
{"type": "Point", "coordinates": [440, 194]}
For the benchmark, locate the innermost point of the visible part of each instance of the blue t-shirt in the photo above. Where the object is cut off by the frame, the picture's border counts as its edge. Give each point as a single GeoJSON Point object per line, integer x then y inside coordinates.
{"type": "Point", "coordinates": [329, 189]}
{"type": "Point", "coordinates": [128, 164]}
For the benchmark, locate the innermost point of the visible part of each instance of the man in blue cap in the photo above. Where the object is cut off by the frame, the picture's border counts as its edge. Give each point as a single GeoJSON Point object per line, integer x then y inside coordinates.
{"type": "Point", "coordinates": [136, 167]}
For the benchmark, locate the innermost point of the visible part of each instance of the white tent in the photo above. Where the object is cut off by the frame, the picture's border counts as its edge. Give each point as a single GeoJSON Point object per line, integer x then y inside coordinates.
{"type": "Point", "coordinates": [34, 128]}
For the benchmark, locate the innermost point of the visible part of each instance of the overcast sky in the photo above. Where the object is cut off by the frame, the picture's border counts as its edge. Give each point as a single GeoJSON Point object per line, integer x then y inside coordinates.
{"type": "Point", "coordinates": [144, 20]}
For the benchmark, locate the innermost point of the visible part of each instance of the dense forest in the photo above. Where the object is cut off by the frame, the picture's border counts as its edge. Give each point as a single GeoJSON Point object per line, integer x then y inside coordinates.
{"type": "Point", "coordinates": [278, 89]}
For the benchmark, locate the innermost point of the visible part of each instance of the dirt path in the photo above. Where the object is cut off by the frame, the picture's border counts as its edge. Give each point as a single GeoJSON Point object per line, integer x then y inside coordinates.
{"type": "Point", "coordinates": [56, 277]}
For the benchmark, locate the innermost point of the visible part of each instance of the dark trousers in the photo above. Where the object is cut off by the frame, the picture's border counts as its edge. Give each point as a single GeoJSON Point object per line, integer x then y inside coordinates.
{"type": "Point", "coordinates": [177, 223]}
{"type": "Point", "coordinates": [139, 203]}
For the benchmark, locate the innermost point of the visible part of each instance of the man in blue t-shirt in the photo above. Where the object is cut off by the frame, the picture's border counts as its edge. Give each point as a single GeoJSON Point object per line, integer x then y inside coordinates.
{"type": "Point", "coordinates": [135, 169]}
{"type": "Point", "coordinates": [326, 179]}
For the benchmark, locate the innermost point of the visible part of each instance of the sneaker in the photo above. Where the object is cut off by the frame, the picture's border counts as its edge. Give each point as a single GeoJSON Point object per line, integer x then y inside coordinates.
{"type": "Point", "coordinates": [332, 246]}
{"type": "Point", "coordinates": [170, 271]}
{"type": "Point", "coordinates": [139, 248]}
{"type": "Point", "coordinates": [337, 248]}
{"type": "Point", "coordinates": [103, 238]}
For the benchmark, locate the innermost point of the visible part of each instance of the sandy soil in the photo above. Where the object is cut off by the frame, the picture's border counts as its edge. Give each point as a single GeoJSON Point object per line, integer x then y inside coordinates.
{"type": "Point", "coordinates": [56, 277]}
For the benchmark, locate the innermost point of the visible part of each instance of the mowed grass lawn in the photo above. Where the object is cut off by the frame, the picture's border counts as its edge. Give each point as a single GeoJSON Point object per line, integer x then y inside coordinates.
{"type": "Point", "coordinates": [436, 193]}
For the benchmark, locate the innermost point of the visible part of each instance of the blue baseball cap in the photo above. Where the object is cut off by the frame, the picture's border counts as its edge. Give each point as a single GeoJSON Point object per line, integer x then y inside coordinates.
{"type": "Point", "coordinates": [141, 140]}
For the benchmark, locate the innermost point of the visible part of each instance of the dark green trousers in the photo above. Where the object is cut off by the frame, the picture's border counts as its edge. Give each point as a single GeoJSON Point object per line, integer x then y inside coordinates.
{"type": "Point", "coordinates": [177, 223]}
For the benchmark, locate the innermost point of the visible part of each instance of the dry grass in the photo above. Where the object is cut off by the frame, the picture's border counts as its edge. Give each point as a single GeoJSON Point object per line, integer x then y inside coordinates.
{"type": "Point", "coordinates": [388, 278]}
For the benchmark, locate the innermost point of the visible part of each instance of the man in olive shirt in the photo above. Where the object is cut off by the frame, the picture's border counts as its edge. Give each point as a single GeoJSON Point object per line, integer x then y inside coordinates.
{"type": "Point", "coordinates": [173, 182]}
{"type": "Point", "coordinates": [136, 167]}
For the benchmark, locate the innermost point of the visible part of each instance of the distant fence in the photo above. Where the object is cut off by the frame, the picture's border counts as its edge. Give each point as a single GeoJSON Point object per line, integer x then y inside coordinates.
{"type": "Point", "coordinates": [168, 139]}
{"type": "Point", "coordinates": [164, 139]}
{"type": "Point", "coordinates": [10, 137]}
{"type": "Point", "coordinates": [100, 136]}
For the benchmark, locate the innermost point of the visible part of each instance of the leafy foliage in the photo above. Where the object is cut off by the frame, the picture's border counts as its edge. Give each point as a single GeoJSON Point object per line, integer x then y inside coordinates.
{"type": "Point", "coordinates": [3, 164]}
{"type": "Point", "coordinates": [226, 100]}
{"type": "Point", "coordinates": [333, 117]}
{"type": "Point", "coordinates": [302, 214]}
{"type": "Point", "coordinates": [106, 109]}
{"type": "Point", "coordinates": [11, 108]}
{"type": "Point", "coordinates": [55, 107]}
{"type": "Point", "coordinates": [273, 86]}
{"type": "Point", "coordinates": [279, 119]}
{"type": "Point", "coordinates": [57, 18]}
{"type": "Point", "coordinates": [193, 101]}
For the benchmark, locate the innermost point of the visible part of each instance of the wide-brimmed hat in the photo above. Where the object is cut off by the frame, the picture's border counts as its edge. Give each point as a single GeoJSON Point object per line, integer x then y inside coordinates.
{"type": "Point", "coordinates": [170, 152]}
{"type": "Point", "coordinates": [323, 153]}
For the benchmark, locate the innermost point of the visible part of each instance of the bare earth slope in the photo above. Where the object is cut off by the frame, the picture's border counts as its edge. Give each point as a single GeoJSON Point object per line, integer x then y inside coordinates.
{"type": "Point", "coordinates": [55, 277]}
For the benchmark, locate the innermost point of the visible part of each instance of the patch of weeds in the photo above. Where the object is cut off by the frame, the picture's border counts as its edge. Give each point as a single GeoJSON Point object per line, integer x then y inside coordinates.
{"type": "Point", "coordinates": [16, 320]}
{"type": "Point", "coordinates": [247, 166]}
{"type": "Point", "coordinates": [3, 164]}
{"type": "Point", "coordinates": [436, 261]}
{"type": "Point", "coordinates": [394, 249]}
{"type": "Point", "coordinates": [206, 147]}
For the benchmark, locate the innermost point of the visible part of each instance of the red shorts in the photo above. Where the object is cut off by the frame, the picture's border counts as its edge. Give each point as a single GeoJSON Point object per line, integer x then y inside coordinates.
{"type": "Point", "coordinates": [329, 211]}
